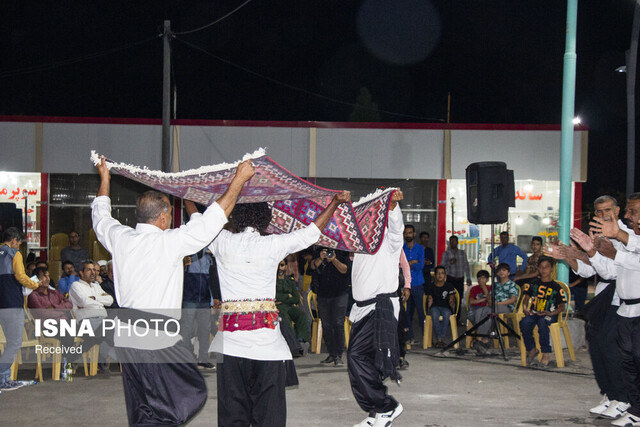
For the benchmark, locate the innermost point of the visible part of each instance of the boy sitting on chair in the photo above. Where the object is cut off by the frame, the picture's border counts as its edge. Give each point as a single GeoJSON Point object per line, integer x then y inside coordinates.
{"type": "Point", "coordinates": [440, 304]}
{"type": "Point", "coordinates": [547, 300]}
{"type": "Point", "coordinates": [478, 309]}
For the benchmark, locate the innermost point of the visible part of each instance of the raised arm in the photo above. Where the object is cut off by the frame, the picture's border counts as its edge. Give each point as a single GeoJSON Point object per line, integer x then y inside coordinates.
{"type": "Point", "coordinates": [190, 207]}
{"type": "Point", "coordinates": [323, 219]}
{"type": "Point", "coordinates": [395, 225]}
{"type": "Point", "coordinates": [244, 172]}
{"type": "Point", "coordinates": [105, 178]}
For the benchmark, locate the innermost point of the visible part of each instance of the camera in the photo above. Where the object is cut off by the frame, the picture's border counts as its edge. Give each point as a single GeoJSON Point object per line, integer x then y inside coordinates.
{"type": "Point", "coordinates": [330, 253]}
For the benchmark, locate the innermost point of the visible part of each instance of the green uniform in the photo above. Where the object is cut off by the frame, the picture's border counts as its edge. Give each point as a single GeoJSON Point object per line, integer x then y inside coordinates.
{"type": "Point", "coordinates": [287, 300]}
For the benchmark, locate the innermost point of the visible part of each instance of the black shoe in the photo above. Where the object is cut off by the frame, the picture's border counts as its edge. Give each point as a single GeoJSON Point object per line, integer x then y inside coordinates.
{"type": "Point", "coordinates": [338, 361]}
{"type": "Point", "coordinates": [104, 370]}
{"type": "Point", "coordinates": [207, 366]}
{"type": "Point", "coordinates": [328, 360]}
{"type": "Point", "coordinates": [480, 349]}
{"type": "Point", "coordinates": [403, 364]}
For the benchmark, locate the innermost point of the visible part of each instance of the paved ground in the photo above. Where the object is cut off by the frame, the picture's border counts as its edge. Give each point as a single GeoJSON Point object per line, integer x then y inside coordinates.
{"type": "Point", "coordinates": [460, 390]}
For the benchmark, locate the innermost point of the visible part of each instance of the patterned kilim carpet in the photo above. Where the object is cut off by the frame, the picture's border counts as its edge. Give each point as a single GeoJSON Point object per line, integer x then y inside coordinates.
{"type": "Point", "coordinates": [294, 202]}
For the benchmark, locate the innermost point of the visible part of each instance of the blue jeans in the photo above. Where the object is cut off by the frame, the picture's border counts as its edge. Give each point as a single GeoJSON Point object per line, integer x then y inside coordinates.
{"type": "Point", "coordinates": [440, 327]}
{"type": "Point", "coordinates": [415, 302]}
{"type": "Point", "coordinates": [196, 319]}
{"type": "Point", "coordinates": [12, 322]}
{"type": "Point", "coordinates": [526, 327]}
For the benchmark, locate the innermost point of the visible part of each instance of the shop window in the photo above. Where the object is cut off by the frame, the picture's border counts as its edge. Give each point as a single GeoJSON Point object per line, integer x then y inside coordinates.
{"type": "Point", "coordinates": [70, 197]}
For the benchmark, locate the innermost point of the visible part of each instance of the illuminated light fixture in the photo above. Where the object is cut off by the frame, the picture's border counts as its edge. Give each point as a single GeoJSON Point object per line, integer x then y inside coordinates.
{"type": "Point", "coordinates": [622, 69]}
{"type": "Point", "coordinates": [519, 221]}
{"type": "Point", "coordinates": [546, 221]}
{"type": "Point", "coordinates": [577, 120]}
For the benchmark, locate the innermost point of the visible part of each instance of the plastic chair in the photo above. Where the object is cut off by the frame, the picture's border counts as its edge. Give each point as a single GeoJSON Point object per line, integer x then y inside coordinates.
{"type": "Point", "coordinates": [96, 250]}
{"type": "Point", "coordinates": [347, 331]}
{"type": "Point", "coordinates": [505, 316]}
{"type": "Point", "coordinates": [554, 332]}
{"type": "Point", "coordinates": [57, 243]}
{"type": "Point", "coordinates": [89, 358]}
{"type": "Point", "coordinates": [428, 323]}
{"type": "Point", "coordinates": [469, 338]}
{"type": "Point", "coordinates": [17, 361]}
{"type": "Point", "coordinates": [316, 324]}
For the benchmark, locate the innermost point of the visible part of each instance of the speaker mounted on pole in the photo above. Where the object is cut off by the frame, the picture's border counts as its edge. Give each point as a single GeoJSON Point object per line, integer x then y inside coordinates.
{"type": "Point", "coordinates": [490, 192]}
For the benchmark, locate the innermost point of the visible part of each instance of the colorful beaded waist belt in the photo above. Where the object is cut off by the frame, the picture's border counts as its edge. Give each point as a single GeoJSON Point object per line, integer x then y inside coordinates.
{"type": "Point", "coordinates": [248, 315]}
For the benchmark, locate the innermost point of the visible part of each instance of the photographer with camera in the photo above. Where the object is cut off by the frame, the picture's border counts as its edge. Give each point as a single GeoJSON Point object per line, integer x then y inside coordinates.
{"type": "Point", "coordinates": [332, 271]}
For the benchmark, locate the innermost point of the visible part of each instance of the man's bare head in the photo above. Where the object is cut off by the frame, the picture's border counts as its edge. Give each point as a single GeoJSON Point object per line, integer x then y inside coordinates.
{"type": "Point", "coordinates": [153, 207]}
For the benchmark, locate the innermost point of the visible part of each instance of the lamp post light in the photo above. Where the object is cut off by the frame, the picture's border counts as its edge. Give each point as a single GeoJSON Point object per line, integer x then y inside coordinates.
{"type": "Point", "coordinates": [453, 212]}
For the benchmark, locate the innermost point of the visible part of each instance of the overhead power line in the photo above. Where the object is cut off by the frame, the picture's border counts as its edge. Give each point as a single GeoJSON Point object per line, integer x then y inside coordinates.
{"type": "Point", "coordinates": [65, 62]}
{"type": "Point", "coordinates": [222, 18]}
{"type": "Point", "coordinates": [299, 89]}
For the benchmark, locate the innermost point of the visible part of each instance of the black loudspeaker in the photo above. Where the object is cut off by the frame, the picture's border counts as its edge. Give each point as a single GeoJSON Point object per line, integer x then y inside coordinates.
{"type": "Point", "coordinates": [10, 216]}
{"type": "Point", "coordinates": [490, 192]}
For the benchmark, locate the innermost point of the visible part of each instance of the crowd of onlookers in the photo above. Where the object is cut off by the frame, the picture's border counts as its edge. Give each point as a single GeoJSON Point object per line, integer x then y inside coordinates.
{"type": "Point", "coordinates": [86, 288]}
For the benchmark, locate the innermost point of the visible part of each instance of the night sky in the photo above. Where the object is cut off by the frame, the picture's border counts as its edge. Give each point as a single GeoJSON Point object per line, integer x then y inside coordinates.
{"type": "Point", "coordinates": [501, 60]}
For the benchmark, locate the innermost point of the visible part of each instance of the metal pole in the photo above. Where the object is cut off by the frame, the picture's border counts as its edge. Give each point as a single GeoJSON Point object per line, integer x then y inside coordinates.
{"type": "Point", "coordinates": [166, 99]}
{"type": "Point", "coordinates": [25, 194]}
{"type": "Point", "coordinates": [566, 152]}
{"type": "Point", "coordinates": [632, 56]}
{"type": "Point", "coordinates": [453, 212]}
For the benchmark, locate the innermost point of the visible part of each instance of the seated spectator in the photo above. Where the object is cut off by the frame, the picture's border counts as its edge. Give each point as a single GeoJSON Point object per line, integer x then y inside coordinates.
{"type": "Point", "coordinates": [89, 302]}
{"type": "Point", "coordinates": [288, 301]}
{"type": "Point", "coordinates": [29, 268]}
{"type": "Point", "coordinates": [506, 290]}
{"type": "Point", "coordinates": [99, 278]}
{"type": "Point", "coordinates": [47, 303]}
{"type": "Point", "coordinates": [43, 264]}
{"type": "Point", "coordinates": [107, 285]}
{"type": "Point", "coordinates": [543, 300]}
{"type": "Point", "coordinates": [68, 277]}
{"type": "Point", "coordinates": [102, 271]}
{"type": "Point", "coordinates": [34, 276]}
{"type": "Point", "coordinates": [441, 303]}
{"type": "Point", "coordinates": [74, 252]}
{"type": "Point", "coordinates": [478, 309]}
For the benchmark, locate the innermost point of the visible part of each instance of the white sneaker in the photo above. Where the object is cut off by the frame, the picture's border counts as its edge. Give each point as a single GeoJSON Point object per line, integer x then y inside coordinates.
{"type": "Point", "coordinates": [615, 409]}
{"type": "Point", "coordinates": [385, 419]}
{"type": "Point", "coordinates": [627, 420]}
{"type": "Point", "coordinates": [602, 406]}
{"type": "Point", "coordinates": [367, 422]}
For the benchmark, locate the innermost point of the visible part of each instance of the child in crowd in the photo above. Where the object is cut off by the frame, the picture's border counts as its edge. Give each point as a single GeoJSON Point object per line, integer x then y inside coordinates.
{"type": "Point", "coordinates": [478, 309]}
{"type": "Point", "coordinates": [441, 304]}
{"type": "Point", "coordinates": [543, 300]}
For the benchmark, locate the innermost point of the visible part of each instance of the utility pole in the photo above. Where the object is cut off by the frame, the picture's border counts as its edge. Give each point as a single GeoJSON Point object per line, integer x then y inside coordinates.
{"type": "Point", "coordinates": [632, 57]}
{"type": "Point", "coordinates": [567, 129]}
{"type": "Point", "coordinates": [166, 98]}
